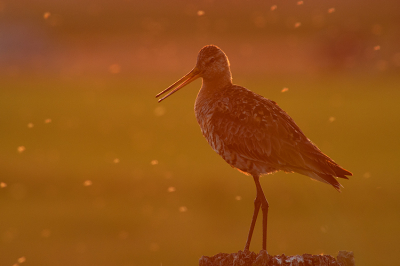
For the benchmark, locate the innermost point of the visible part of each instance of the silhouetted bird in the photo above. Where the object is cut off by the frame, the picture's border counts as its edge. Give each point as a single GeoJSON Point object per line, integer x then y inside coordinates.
{"type": "Point", "coordinates": [250, 132]}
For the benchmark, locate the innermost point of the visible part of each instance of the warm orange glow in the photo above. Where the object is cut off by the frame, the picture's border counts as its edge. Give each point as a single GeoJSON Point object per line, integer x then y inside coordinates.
{"type": "Point", "coordinates": [21, 260]}
{"type": "Point", "coordinates": [87, 183]}
{"type": "Point", "coordinates": [114, 68]}
{"type": "Point", "coordinates": [94, 171]}
{"type": "Point", "coordinates": [46, 15]}
{"type": "Point", "coordinates": [331, 10]}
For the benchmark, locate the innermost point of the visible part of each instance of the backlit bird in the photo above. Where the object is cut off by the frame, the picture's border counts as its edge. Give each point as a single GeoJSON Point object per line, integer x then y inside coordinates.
{"type": "Point", "coordinates": [251, 133]}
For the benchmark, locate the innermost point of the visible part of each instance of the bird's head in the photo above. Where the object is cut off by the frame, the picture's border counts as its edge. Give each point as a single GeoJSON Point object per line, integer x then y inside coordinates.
{"type": "Point", "coordinates": [212, 63]}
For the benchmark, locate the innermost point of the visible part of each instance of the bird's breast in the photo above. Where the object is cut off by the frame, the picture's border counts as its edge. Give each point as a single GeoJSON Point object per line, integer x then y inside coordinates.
{"type": "Point", "coordinates": [204, 110]}
{"type": "Point", "coordinates": [206, 106]}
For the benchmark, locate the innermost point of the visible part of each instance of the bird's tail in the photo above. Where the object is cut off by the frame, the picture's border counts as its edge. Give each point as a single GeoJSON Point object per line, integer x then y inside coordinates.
{"type": "Point", "coordinates": [329, 177]}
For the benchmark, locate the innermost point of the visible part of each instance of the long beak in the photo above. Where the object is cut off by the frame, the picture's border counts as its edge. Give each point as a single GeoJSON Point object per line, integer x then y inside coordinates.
{"type": "Point", "coordinates": [188, 78]}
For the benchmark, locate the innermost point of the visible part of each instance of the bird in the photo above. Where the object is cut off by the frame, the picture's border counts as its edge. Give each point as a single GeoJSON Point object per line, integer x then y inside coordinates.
{"type": "Point", "coordinates": [250, 132]}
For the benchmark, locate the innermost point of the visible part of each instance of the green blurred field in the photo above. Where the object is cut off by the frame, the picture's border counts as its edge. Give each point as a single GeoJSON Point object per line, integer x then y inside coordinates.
{"type": "Point", "coordinates": [92, 185]}
{"type": "Point", "coordinates": [128, 217]}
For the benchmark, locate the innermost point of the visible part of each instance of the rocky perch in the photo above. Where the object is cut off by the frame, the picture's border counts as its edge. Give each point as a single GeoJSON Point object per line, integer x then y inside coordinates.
{"type": "Point", "coordinates": [247, 258]}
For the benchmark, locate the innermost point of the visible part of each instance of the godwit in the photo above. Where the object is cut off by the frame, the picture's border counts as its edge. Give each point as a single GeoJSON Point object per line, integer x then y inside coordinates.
{"type": "Point", "coordinates": [251, 133]}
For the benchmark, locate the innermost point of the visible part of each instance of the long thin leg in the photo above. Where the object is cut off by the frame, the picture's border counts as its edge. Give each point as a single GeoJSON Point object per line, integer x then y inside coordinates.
{"type": "Point", "coordinates": [264, 207]}
{"type": "Point", "coordinates": [257, 204]}
{"type": "Point", "coordinates": [262, 202]}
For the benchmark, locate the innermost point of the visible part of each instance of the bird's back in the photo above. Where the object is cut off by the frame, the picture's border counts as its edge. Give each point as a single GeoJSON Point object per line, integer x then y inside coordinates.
{"type": "Point", "coordinates": [254, 135]}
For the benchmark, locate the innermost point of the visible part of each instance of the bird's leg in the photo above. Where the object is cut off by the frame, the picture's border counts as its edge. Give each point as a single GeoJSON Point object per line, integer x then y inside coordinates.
{"type": "Point", "coordinates": [264, 207]}
{"type": "Point", "coordinates": [257, 204]}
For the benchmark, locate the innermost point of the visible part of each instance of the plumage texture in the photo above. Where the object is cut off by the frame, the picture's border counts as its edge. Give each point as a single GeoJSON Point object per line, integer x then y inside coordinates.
{"type": "Point", "coordinates": [252, 133]}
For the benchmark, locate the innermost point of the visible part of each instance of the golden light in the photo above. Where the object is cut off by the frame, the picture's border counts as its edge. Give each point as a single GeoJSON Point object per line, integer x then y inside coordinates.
{"type": "Point", "coordinates": [46, 15]}
{"type": "Point", "coordinates": [87, 183]}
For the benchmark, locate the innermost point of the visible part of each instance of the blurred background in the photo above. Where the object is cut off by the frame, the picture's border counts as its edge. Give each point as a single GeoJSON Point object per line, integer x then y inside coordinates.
{"type": "Point", "coordinates": [93, 171]}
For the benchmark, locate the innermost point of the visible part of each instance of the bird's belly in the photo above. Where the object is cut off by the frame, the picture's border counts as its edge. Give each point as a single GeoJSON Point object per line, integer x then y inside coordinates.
{"type": "Point", "coordinates": [246, 165]}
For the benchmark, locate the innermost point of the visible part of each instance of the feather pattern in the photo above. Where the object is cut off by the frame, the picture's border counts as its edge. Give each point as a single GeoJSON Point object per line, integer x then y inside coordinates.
{"type": "Point", "coordinates": [254, 135]}
{"type": "Point", "coordinates": [250, 132]}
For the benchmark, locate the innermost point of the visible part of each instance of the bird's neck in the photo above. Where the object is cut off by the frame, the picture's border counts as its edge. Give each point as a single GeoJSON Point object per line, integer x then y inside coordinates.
{"type": "Point", "coordinates": [207, 94]}
{"type": "Point", "coordinates": [211, 86]}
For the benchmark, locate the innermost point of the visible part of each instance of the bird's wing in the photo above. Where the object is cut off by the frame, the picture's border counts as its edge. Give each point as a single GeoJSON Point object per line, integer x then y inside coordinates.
{"type": "Point", "coordinates": [259, 130]}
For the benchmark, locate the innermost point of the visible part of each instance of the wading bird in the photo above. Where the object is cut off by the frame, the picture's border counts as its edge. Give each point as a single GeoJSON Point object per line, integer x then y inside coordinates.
{"type": "Point", "coordinates": [251, 133]}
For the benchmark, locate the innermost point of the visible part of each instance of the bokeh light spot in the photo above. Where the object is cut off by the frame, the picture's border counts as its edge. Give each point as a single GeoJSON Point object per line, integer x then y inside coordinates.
{"type": "Point", "coordinates": [114, 68]}
{"type": "Point", "coordinates": [159, 111]}
{"type": "Point", "coordinates": [45, 233]}
{"type": "Point", "coordinates": [87, 183]}
{"type": "Point", "coordinates": [183, 209]}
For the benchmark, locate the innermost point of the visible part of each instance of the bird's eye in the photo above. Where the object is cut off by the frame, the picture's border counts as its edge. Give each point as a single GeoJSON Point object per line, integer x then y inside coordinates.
{"type": "Point", "coordinates": [211, 60]}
